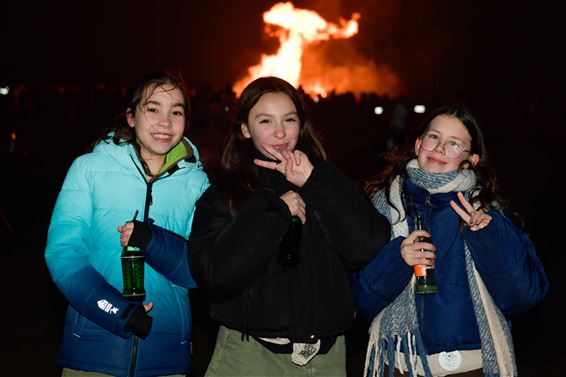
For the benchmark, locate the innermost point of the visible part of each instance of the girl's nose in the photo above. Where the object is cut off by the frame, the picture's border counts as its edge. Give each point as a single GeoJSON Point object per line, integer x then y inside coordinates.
{"type": "Point", "coordinates": [279, 131]}
{"type": "Point", "coordinates": [165, 120]}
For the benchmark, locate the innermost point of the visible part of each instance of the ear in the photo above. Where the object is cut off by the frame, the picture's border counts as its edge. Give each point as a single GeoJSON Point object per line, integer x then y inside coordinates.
{"type": "Point", "coordinates": [474, 159]}
{"type": "Point", "coordinates": [417, 146]}
{"type": "Point", "coordinates": [130, 117]}
{"type": "Point", "coordinates": [246, 131]}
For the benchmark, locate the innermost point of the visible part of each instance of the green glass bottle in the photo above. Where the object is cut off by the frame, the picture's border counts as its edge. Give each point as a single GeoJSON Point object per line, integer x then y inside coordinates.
{"type": "Point", "coordinates": [290, 247]}
{"type": "Point", "coordinates": [426, 279]}
{"type": "Point", "coordinates": [133, 273]}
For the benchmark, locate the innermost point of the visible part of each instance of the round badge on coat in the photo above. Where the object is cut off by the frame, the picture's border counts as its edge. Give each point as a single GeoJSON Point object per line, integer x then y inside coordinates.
{"type": "Point", "coordinates": [450, 360]}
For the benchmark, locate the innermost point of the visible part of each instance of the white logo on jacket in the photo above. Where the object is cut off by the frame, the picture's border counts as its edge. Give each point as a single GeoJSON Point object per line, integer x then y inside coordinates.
{"type": "Point", "coordinates": [107, 307]}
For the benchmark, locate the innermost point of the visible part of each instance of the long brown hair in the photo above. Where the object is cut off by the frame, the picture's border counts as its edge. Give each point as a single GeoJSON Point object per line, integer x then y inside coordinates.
{"type": "Point", "coordinates": [238, 173]}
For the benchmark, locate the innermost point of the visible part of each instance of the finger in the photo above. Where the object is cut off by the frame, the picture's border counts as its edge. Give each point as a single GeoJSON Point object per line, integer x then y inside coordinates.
{"type": "Point", "coordinates": [463, 214]}
{"type": "Point", "coordinates": [465, 202]}
{"type": "Point", "coordinates": [266, 164]}
{"type": "Point", "coordinates": [120, 229]}
{"type": "Point", "coordinates": [298, 155]}
{"type": "Point", "coordinates": [411, 238]}
{"type": "Point", "coordinates": [148, 306]}
{"type": "Point", "coordinates": [272, 152]}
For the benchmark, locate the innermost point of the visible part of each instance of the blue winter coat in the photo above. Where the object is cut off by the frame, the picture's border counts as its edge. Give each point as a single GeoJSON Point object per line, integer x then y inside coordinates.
{"type": "Point", "coordinates": [102, 190]}
{"type": "Point", "coordinates": [503, 255]}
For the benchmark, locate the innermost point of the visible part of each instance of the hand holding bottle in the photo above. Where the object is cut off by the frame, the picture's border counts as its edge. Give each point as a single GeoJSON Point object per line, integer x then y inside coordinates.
{"type": "Point", "coordinates": [415, 250]}
{"type": "Point", "coordinates": [126, 231]}
{"type": "Point", "coordinates": [296, 205]}
{"type": "Point", "coordinates": [133, 266]}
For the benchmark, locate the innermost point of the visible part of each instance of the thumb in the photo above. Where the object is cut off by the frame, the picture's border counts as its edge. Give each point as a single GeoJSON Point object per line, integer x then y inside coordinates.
{"type": "Point", "coordinates": [148, 306]}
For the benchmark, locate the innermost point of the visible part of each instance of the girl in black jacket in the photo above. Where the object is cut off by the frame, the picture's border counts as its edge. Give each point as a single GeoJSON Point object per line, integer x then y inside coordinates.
{"type": "Point", "coordinates": [276, 318]}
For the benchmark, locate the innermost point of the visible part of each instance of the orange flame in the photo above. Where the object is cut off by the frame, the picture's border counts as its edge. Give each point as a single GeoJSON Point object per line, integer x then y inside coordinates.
{"type": "Point", "coordinates": [298, 28]}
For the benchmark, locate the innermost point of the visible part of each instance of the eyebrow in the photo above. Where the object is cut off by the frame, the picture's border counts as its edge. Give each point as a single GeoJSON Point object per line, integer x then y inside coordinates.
{"type": "Point", "coordinates": [449, 137]}
{"type": "Point", "coordinates": [157, 103]}
{"type": "Point", "coordinates": [271, 115]}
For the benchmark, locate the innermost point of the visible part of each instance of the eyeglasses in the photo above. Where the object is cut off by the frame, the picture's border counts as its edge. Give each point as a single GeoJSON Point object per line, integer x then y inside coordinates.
{"type": "Point", "coordinates": [452, 148]}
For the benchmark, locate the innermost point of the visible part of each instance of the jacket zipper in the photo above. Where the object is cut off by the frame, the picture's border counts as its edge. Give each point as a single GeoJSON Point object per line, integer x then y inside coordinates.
{"type": "Point", "coordinates": [148, 203]}
{"type": "Point", "coordinates": [245, 334]}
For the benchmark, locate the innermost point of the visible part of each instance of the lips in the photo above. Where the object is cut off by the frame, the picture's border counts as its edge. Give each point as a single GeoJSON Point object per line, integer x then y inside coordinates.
{"type": "Point", "coordinates": [280, 147]}
{"type": "Point", "coordinates": [436, 161]}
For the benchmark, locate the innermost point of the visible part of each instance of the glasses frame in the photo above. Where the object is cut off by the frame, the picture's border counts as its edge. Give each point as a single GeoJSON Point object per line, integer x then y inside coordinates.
{"type": "Point", "coordinates": [443, 147]}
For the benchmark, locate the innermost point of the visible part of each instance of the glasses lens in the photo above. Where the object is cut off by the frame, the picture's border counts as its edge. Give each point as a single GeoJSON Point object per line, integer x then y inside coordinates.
{"type": "Point", "coordinates": [429, 142]}
{"type": "Point", "coordinates": [451, 148]}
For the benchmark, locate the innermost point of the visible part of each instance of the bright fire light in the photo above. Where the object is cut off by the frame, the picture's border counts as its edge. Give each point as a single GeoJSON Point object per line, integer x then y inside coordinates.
{"type": "Point", "coordinates": [296, 29]}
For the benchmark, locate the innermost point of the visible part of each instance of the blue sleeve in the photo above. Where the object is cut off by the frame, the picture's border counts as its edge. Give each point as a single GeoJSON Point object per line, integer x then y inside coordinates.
{"type": "Point", "coordinates": [67, 255]}
{"type": "Point", "coordinates": [507, 262]}
{"type": "Point", "coordinates": [98, 301]}
{"type": "Point", "coordinates": [167, 253]}
{"type": "Point", "coordinates": [381, 280]}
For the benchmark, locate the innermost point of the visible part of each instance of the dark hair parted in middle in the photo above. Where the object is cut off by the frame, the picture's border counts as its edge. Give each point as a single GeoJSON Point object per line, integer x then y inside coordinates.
{"type": "Point", "coordinates": [238, 173]}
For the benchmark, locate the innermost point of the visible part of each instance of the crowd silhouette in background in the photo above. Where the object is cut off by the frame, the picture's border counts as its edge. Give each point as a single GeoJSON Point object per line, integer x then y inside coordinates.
{"type": "Point", "coordinates": [44, 127]}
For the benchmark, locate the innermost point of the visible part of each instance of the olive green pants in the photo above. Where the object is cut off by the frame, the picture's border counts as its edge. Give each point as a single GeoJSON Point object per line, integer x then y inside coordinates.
{"type": "Point", "coordinates": [67, 372]}
{"type": "Point", "coordinates": [234, 357]}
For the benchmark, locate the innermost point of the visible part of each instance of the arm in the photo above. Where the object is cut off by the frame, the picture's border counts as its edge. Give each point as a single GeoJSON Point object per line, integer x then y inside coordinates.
{"type": "Point", "coordinates": [165, 251]}
{"type": "Point", "coordinates": [507, 262]}
{"type": "Point", "coordinates": [381, 280]}
{"type": "Point", "coordinates": [227, 252]}
{"type": "Point", "coordinates": [67, 256]}
{"type": "Point", "coordinates": [351, 222]}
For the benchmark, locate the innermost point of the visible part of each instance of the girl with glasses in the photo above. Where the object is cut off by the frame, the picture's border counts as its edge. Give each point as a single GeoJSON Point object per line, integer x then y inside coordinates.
{"type": "Point", "coordinates": [486, 268]}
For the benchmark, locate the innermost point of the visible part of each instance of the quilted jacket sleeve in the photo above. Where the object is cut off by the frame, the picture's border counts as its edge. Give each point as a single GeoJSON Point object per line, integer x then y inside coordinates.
{"type": "Point", "coordinates": [381, 281]}
{"type": "Point", "coordinates": [350, 221]}
{"type": "Point", "coordinates": [227, 252]}
{"type": "Point", "coordinates": [506, 259]}
{"type": "Point", "coordinates": [67, 254]}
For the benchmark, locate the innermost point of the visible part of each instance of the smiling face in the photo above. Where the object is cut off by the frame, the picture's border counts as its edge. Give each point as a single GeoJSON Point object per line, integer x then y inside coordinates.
{"type": "Point", "coordinates": [274, 121]}
{"type": "Point", "coordinates": [159, 124]}
{"type": "Point", "coordinates": [448, 132]}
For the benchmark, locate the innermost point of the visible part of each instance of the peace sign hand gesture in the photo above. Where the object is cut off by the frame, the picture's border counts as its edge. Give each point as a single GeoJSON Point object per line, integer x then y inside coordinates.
{"type": "Point", "coordinates": [295, 166]}
{"type": "Point", "coordinates": [476, 220]}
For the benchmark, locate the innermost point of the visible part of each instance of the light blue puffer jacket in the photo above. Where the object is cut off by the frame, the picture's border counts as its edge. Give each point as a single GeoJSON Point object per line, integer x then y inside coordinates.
{"type": "Point", "coordinates": [102, 190]}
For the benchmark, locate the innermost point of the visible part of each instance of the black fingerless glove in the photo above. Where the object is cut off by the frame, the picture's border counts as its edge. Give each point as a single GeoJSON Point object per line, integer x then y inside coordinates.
{"type": "Point", "coordinates": [139, 322]}
{"type": "Point", "coordinates": [141, 235]}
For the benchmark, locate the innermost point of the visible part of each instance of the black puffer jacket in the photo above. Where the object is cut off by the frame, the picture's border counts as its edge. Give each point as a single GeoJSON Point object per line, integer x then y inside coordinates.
{"type": "Point", "coordinates": [234, 258]}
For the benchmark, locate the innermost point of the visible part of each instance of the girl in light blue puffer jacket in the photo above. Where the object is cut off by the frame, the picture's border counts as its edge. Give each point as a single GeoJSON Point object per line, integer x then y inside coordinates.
{"type": "Point", "coordinates": [145, 164]}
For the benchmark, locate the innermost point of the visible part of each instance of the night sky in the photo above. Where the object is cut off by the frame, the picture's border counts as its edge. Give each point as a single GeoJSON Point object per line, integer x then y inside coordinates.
{"type": "Point", "coordinates": [435, 47]}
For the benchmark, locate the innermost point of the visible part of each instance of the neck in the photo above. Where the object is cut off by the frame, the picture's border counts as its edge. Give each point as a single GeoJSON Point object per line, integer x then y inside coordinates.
{"type": "Point", "coordinates": [154, 164]}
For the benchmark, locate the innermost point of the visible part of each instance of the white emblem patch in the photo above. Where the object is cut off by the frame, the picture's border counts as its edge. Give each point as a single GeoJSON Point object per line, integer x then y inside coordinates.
{"type": "Point", "coordinates": [107, 306]}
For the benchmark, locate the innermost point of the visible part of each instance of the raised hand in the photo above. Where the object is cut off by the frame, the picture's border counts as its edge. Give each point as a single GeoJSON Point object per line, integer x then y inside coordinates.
{"type": "Point", "coordinates": [476, 220]}
{"type": "Point", "coordinates": [126, 230]}
{"type": "Point", "coordinates": [295, 166]}
{"type": "Point", "coordinates": [296, 205]}
{"type": "Point", "coordinates": [414, 251]}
